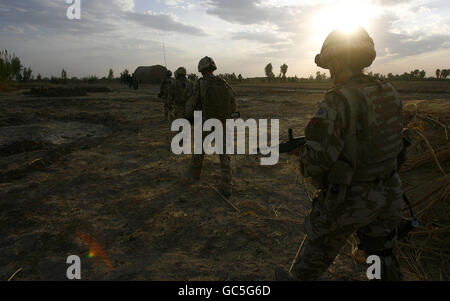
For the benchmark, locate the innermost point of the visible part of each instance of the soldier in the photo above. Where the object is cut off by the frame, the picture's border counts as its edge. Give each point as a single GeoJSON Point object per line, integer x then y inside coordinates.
{"type": "Point", "coordinates": [215, 98]}
{"type": "Point", "coordinates": [351, 155]}
{"type": "Point", "coordinates": [180, 91]}
{"type": "Point", "coordinates": [164, 92]}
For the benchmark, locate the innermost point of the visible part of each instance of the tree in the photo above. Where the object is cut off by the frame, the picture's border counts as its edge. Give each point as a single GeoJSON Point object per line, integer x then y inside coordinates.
{"type": "Point", "coordinates": [438, 73]}
{"type": "Point", "coordinates": [125, 73]}
{"type": "Point", "coordinates": [269, 71]}
{"type": "Point", "coordinates": [422, 74]}
{"type": "Point", "coordinates": [10, 66]}
{"type": "Point", "coordinates": [445, 73]}
{"type": "Point", "coordinates": [26, 74]}
{"type": "Point", "coordinates": [283, 70]}
{"type": "Point", "coordinates": [318, 75]}
{"type": "Point", "coordinates": [111, 74]}
{"type": "Point", "coordinates": [39, 77]}
{"type": "Point", "coordinates": [64, 75]}
{"type": "Point", "coordinates": [240, 77]}
{"type": "Point", "coordinates": [124, 76]}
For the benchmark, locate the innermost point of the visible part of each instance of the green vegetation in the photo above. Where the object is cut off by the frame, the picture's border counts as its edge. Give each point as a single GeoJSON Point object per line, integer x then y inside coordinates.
{"type": "Point", "coordinates": [110, 74]}
{"type": "Point", "coordinates": [9, 66]}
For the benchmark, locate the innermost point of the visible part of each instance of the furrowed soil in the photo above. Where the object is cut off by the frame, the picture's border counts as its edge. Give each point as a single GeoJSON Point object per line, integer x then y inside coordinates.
{"type": "Point", "coordinates": [94, 176]}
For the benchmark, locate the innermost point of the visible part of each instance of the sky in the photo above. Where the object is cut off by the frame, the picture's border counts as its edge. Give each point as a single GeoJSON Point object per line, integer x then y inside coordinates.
{"type": "Point", "coordinates": [242, 36]}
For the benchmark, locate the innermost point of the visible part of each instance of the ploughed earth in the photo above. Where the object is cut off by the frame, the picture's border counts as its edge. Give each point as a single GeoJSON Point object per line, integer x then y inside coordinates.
{"type": "Point", "coordinates": [94, 176]}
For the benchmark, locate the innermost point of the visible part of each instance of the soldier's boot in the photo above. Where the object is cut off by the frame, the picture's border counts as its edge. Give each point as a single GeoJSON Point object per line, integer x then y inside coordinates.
{"type": "Point", "coordinates": [390, 269]}
{"type": "Point", "coordinates": [282, 274]}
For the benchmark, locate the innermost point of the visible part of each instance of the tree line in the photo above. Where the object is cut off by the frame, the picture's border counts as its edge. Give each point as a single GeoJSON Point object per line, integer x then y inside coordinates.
{"type": "Point", "coordinates": [12, 69]}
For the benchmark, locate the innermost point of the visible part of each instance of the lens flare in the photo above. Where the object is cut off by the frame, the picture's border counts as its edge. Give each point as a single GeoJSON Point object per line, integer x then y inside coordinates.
{"type": "Point", "coordinates": [95, 249]}
{"type": "Point", "coordinates": [344, 15]}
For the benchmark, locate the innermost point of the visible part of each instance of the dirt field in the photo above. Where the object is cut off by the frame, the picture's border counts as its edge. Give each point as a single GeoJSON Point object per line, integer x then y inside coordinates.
{"type": "Point", "coordinates": [94, 176]}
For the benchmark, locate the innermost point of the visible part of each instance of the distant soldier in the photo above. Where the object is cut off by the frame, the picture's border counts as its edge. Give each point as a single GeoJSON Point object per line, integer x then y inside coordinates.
{"type": "Point", "coordinates": [351, 155]}
{"type": "Point", "coordinates": [180, 90]}
{"type": "Point", "coordinates": [215, 98]}
{"type": "Point", "coordinates": [164, 92]}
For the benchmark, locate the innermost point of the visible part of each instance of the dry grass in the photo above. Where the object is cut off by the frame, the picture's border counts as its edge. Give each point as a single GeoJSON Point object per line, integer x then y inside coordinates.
{"type": "Point", "coordinates": [425, 253]}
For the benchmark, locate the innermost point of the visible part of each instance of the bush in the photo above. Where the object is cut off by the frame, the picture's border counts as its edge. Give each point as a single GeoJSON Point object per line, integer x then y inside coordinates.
{"type": "Point", "coordinates": [9, 66]}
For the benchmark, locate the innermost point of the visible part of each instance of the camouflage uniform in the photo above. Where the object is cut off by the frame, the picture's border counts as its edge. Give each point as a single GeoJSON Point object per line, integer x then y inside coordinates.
{"type": "Point", "coordinates": [164, 92]}
{"type": "Point", "coordinates": [351, 155]}
{"type": "Point", "coordinates": [208, 92]}
{"type": "Point", "coordinates": [179, 92]}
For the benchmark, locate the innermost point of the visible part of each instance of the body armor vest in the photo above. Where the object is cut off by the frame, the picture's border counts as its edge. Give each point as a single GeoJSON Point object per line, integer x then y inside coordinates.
{"type": "Point", "coordinates": [215, 98]}
{"type": "Point", "coordinates": [374, 129]}
{"type": "Point", "coordinates": [180, 87]}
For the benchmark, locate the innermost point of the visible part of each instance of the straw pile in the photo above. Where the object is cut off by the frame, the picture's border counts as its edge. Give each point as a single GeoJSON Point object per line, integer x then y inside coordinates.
{"type": "Point", "coordinates": [424, 254]}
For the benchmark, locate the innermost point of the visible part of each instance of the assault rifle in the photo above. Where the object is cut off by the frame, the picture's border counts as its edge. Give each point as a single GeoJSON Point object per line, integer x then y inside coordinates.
{"type": "Point", "coordinates": [403, 228]}
{"type": "Point", "coordinates": [292, 144]}
{"type": "Point", "coordinates": [289, 146]}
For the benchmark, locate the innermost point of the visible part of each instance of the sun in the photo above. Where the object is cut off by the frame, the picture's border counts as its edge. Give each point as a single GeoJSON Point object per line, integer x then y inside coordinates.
{"type": "Point", "coordinates": [344, 15]}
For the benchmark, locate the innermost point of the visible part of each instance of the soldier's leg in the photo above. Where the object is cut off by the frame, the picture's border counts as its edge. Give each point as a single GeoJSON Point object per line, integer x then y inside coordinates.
{"type": "Point", "coordinates": [322, 245]}
{"type": "Point", "coordinates": [226, 169]}
{"type": "Point", "coordinates": [166, 109]}
{"type": "Point", "coordinates": [179, 112]}
{"type": "Point", "coordinates": [195, 168]}
{"type": "Point", "coordinates": [331, 221]}
{"type": "Point", "coordinates": [379, 238]}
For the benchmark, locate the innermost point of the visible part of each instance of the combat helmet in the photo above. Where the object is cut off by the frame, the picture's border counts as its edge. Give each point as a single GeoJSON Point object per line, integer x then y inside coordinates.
{"type": "Point", "coordinates": [355, 48]}
{"type": "Point", "coordinates": [206, 64]}
{"type": "Point", "coordinates": [181, 71]}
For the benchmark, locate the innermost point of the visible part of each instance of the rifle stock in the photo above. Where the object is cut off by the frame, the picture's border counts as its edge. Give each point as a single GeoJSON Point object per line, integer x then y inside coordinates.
{"type": "Point", "coordinates": [290, 145]}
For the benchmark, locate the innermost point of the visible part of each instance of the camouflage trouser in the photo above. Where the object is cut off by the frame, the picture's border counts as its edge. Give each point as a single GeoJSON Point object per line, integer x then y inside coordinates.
{"type": "Point", "coordinates": [371, 209]}
{"type": "Point", "coordinates": [178, 112]}
{"type": "Point", "coordinates": [225, 166]}
{"type": "Point", "coordinates": [166, 108]}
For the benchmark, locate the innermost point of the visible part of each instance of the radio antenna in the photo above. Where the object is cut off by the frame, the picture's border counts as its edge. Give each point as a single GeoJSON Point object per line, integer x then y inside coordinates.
{"type": "Point", "coordinates": [164, 49]}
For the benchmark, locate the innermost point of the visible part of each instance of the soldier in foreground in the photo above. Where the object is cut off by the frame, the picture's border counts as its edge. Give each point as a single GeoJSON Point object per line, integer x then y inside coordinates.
{"type": "Point", "coordinates": [215, 98]}
{"type": "Point", "coordinates": [164, 92]}
{"type": "Point", "coordinates": [351, 155]}
{"type": "Point", "coordinates": [180, 90]}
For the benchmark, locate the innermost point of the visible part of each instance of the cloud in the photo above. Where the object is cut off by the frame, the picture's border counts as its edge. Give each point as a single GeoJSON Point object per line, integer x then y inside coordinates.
{"type": "Point", "coordinates": [392, 43]}
{"type": "Point", "coordinates": [96, 16]}
{"type": "Point", "coordinates": [163, 22]}
{"type": "Point", "coordinates": [262, 37]}
{"type": "Point", "coordinates": [245, 34]}
{"type": "Point", "coordinates": [239, 11]}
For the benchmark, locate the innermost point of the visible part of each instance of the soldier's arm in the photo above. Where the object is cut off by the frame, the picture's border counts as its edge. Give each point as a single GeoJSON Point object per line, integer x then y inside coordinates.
{"type": "Point", "coordinates": [161, 86]}
{"type": "Point", "coordinates": [170, 94]}
{"type": "Point", "coordinates": [193, 102]}
{"type": "Point", "coordinates": [325, 139]}
{"type": "Point", "coordinates": [233, 101]}
{"type": "Point", "coordinates": [232, 97]}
